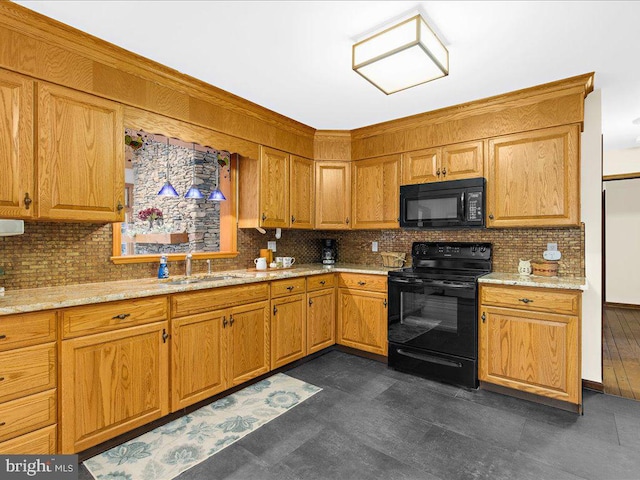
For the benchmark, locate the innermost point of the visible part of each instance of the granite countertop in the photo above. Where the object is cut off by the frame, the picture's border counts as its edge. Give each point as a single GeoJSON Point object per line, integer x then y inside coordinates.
{"type": "Point", "coordinates": [35, 299]}
{"type": "Point", "coordinates": [567, 283]}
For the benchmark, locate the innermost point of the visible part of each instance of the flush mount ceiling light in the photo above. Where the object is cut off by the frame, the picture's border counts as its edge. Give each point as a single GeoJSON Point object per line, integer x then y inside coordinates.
{"type": "Point", "coordinates": [402, 56]}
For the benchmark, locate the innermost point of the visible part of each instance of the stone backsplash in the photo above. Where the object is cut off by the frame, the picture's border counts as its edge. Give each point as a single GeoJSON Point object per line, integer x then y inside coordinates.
{"type": "Point", "coordinates": [50, 254]}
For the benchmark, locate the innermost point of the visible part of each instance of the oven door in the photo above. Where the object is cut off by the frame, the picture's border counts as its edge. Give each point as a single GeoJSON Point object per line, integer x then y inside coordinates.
{"type": "Point", "coordinates": [433, 315]}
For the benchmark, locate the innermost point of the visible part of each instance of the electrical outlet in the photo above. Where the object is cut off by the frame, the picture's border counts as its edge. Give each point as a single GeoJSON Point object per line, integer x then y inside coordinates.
{"type": "Point", "coordinates": [271, 246]}
{"type": "Point", "coordinates": [374, 246]}
{"type": "Point", "coordinates": [552, 247]}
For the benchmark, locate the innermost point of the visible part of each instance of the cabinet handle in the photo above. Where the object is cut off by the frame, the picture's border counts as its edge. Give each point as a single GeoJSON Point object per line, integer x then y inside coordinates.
{"type": "Point", "coordinates": [224, 322]}
{"type": "Point", "coordinates": [322, 282]}
{"type": "Point", "coordinates": [231, 320]}
{"type": "Point", "coordinates": [290, 287]}
{"type": "Point", "coordinates": [1, 379]}
{"type": "Point", "coordinates": [385, 303]}
{"type": "Point", "coordinates": [3, 424]}
{"type": "Point", "coordinates": [491, 216]}
{"type": "Point", "coordinates": [438, 172]}
{"type": "Point", "coordinates": [27, 201]}
{"type": "Point", "coordinates": [264, 217]}
{"type": "Point", "coordinates": [361, 283]}
{"type": "Point", "coordinates": [2, 337]}
{"type": "Point", "coordinates": [310, 302]}
{"type": "Point", "coordinates": [293, 219]}
{"type": "Point", "coordinates": [165, 336]}
{"type": "Point", "coordinates": [120, 206]}
{"type": "Point", "coordinates": [275, 309]}
{"type": "Point", "coordinates": [347, 221]}
{"type": "Point", "coordinates": [444, 172]}
{"type": "Point", "coordinates": [122, 316]}
{"type": "Point", "coordinates": [525, 300]}
{"type": "Point", "coordinates": [484, 318]}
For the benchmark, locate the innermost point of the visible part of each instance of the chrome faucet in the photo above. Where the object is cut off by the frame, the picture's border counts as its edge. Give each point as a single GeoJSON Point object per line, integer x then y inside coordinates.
{"type": "Point", "coordinates": [187, 261]}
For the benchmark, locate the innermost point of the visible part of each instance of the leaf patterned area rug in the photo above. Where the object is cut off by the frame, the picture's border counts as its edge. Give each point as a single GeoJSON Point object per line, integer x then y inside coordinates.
{"type": "Point", "coordinates": [169, 450]}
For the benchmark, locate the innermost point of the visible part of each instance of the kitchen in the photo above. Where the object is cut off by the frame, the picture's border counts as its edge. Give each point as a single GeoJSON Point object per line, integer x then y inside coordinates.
{"type": "Point", "coordinates": [92, 245]}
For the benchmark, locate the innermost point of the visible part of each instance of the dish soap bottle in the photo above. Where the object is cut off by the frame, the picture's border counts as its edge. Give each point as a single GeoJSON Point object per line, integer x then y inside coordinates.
{"type": "Point", "coordinates": [163, 269]}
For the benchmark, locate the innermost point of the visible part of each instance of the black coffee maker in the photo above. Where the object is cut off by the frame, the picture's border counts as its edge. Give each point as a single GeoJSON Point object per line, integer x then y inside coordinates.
{"type": "Point", "coordinates": [329, 251]}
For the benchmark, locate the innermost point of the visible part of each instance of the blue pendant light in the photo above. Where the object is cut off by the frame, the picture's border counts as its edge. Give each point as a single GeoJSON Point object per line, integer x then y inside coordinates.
{"type": "Point", "coordinates": [167, 190]}
{"type": "Point", "coordinates": [216, 195]}
{"type": "Point", "coordinates": [193, 191]}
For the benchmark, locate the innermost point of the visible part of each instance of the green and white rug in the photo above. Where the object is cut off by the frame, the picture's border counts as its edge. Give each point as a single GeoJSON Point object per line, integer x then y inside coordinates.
{"type": "Point", "coordinates": [169, 450]}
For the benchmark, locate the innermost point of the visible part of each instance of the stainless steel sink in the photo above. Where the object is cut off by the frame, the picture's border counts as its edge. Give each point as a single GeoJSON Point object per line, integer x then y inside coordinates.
{"type": "Point", "coordinates": [198, 279]}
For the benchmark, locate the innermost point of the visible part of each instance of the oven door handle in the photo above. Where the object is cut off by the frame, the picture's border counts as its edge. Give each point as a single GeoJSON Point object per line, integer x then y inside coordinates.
{"type": "Point", "coordinates": [415, 281]}
{"type": "Point", "coordinates": [429, 358]}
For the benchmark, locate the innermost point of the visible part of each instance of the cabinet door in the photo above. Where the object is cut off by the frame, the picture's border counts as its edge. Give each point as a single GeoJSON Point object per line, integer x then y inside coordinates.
{"type": "Point", "coordinates": [333, 195]}
{"type": "Point", "coordinates": [375, 192]}
{"type": "Point", "coordinates": [362, 320]}
{"type": "Point", "coordinates": [462, 160]}
{"type": "Point", "coordinates": [248, 342]}
{"type": "Point", "coordinates": [274, 187]}
{"type": "Point", "coordinates": [534, 179]}
{"type": "Point", "coordinates": [198, 359]}
{"type": "Point", "coordinates": [302, 192]}
{"type": "Point", "coordinates": [16, 146]}
{"type": "Point", "coordinates": [531, 351]}
{"type": "Point", "coordinates": [112, 382]}
{"type": "Point", "coordinates": [80, 156]}
{"type": "Point", "coordinates": [421, 166]}
{"type": "Point", "coordinates": [288, 329]}
{"type": "Point", "coordinates": [321, 320]}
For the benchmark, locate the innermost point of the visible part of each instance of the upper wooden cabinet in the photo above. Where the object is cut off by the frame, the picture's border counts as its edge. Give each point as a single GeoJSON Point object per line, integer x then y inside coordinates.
{"type": "Point", "coordinates": [533, 178]}
{"type": "Point", "coordinates": [302, 181]}
{"type": "Point", "coordinates": [375, 192]}
{"type": "Point", "coordinates": [276, 191]}
{"type": "Point", "coordinates": [451, 162]}
{"type": "Point", "coordinates": [16, 146]}
{"type": "Point", "coordinates": [80, 155]}
{"type": "Point", "coordinates": [333, 195]}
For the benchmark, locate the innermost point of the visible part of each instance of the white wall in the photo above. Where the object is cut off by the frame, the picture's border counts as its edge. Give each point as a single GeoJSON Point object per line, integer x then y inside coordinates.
{"type": "Point", "coordinates": [622, 238]}
{"type": "Point", "coordinates": [591, 214]}
{"type": "Point", "coordinates": [617, 162]}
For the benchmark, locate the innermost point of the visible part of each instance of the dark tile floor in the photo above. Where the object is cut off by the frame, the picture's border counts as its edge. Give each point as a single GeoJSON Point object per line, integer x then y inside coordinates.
{"type": "Point", "coordinates": [371, 422]}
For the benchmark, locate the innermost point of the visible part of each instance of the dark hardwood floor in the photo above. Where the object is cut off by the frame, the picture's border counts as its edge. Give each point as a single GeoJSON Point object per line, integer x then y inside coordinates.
{"type": "Point", "coordinates": [621, 352]}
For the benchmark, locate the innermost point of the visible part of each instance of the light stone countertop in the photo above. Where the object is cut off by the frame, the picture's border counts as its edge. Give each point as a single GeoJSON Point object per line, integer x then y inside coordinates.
{"type": "Point", "coordinates": [567, 283]}
{"type": "Point", "coordinates": [35, 299]}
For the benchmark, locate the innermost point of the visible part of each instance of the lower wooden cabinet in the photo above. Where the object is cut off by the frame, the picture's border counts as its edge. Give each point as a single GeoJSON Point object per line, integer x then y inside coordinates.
{"type": "Point", "coordinates": [113, 382]}
{"type": "Point", "coordinates": [525, 347]}
{"type": "Point", "coordinates": [248, 342]}
{"type": "Point", "coordinates": [321, 319]}
{"type": "Point", "coordinates": [40, 442]}
{"type": "Point", "coordinates": [288, 329]}
{"type": "Point", "coordinates": [362, 314]}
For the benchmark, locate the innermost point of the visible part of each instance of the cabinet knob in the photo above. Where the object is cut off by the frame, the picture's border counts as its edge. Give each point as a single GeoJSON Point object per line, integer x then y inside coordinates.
{"type": "Point", "coordinates": [120, 206]}
{"type": "Point", "coordinates": [275, 309]}
{"type": "Point", "coordinates": [122, 316]}
{"type": "Point", "coordinates": [438, 172]}
{"type": "Point", "coordinates": [484, 318]}
{"type": "Point", "coordinates": [165, 336]}
{"type": "Point", "coordinates": [444, 171]}
{"type": "Point", "coordinates": [293, 219]}
{"type": "Point", "coordinates": [27, 201]}
{"type": "Point", "coordinates": [264, 217]}
{"type": "Point", "coordinates": [290, 287]}
{"type": "Point", "coordinates": [322, 282]}
{"type": "Point", "coordinates": [491, 216]}
{"type": "Point", "coordinates": [361, 283]}
{"type": "Point", "coordinates": [224, 322]}
{"type": "Point", "coordinates": [3, 336]}
{"type": "Point", "coordinates": [385, 303]}
{"type": "Point", "coordinates": [525, 300]}
{"type": "Point", "coordinates": [310, 302]}
{"type": "Point", "coordinates": [347, 221]}
{"type": "Point", "coordinates": [231, 320]}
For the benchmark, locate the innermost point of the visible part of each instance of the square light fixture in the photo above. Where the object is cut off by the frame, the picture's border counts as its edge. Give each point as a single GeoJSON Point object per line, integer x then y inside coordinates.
{"type": "Point", "coordinates": [402, 56]}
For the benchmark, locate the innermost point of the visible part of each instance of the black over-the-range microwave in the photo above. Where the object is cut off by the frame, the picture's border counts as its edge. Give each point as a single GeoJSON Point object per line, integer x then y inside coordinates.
{"type": "Point", "coordinates": [447, 204]}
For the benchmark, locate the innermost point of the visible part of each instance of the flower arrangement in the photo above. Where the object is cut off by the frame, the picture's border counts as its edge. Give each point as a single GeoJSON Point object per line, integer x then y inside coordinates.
{"type": "Point", "coordinates": [150, 214]}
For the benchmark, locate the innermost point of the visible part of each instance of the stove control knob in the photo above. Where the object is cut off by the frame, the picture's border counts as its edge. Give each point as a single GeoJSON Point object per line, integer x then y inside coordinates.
{"type": "Point", "coordinates": [483, 249]}
{"type": "Point", "coordinates": [474, 248]}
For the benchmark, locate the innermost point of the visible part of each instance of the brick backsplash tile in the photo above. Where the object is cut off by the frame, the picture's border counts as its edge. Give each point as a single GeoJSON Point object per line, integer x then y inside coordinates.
{"type": "Point", "coordinates": [51, 254]}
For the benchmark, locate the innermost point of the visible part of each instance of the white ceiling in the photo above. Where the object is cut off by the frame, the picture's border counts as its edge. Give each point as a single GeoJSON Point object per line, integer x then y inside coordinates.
{"type": "Point", "coordinates": [294, 57]}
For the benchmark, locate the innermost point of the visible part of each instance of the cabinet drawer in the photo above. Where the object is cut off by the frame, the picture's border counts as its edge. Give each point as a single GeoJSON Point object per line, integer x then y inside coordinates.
{"type": "Point", "coordinates": [536, 299]}
{"type": "Point", "coordinates": [287, 286]}
{"type": "Point", "coordinates": [104, 317]}
{"type": "Point", "coordinates": [216, 298]}
{"type": "Point", "coordinates": [27, 370]}
{"type": "Point", "coordinates": [317, 282]}
{"type": "Point", "coordinates": [372, 283]}
{"type": "Point", "coordinates": [27, 329]}
{"type": "Point", "coordinates": [40, 442]}
{"type": "Point", "coordinates": [27, 414]}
